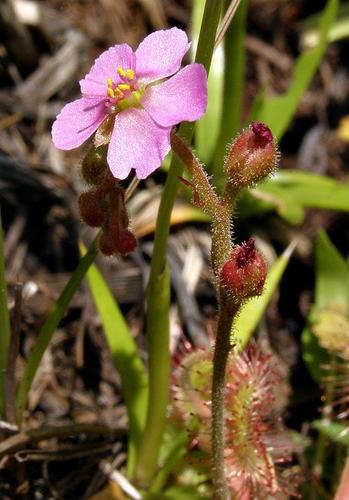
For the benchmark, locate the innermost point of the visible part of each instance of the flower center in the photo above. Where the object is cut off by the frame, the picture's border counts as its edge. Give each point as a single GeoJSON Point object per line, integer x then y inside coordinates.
{"type": "Point", "coordinates": [125, 94]}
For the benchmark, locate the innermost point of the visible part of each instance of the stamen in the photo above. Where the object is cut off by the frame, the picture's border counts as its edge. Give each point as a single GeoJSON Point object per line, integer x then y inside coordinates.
{"type": "Point", "coordinates": [124, 86]}
{"type": "Point", "coordinates": [121, 72]}
{"type": "Point", "coordinates": [119, 93]}
{"type": "Point", "coordinates": [124, 94]}
{"type": "Point", "coordinates": [130, 74]}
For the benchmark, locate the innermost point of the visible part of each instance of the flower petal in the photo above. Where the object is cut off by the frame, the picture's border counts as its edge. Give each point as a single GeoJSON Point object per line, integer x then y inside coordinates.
{"type": "Point", "coordinates": [160, 54]}
{"type": "Point", "coordinates": [183, 97]}
{"type": "Point", "coordinates": [77, 121]}
{"type": "Point", "coordinates": [137, 142]}
{"type": "Point", "coordinates": [105, 66]}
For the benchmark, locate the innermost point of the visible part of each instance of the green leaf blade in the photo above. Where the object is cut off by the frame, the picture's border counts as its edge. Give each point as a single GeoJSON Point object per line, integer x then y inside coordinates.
{"type": "Point", "coordinates": [48, 328]}
{"type": "Point", "coordinates": [158, 324]}
{"type": "Point", "coordinates": [5, 332]}
{"type": "Point", "coordinates": [289, 192]}
{"type": "Point", "coordinates": [126, 358]}
{"type": "Point", "coordinates": [332, 282]}
{"type": "Point", "coordinates": [336, 431]}
{"type": "Point", "coordinates": [278, 111]}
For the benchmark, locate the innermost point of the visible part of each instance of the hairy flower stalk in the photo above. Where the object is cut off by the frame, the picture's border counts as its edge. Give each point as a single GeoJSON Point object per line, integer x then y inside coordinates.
{"type": "Point", "coordinates": [239, 271]}
{"type": "Point", "coordinates": [206, 198]}
{"type": "Point", "coordinates": [241, 277]}
{"type": "Point", "coordinates": [221, 353]}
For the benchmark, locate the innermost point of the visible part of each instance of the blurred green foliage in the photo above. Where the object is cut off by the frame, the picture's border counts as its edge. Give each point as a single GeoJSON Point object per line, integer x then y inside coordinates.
{"type": "Point", "coordinates": [331, 287]}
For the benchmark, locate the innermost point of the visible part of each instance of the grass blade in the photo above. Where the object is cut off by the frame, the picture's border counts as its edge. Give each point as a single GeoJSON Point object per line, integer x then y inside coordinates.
{"type": "Point", "coordinates": [290, 192]}
{"type": "Point", "coordinates": [207, 128]}
{"type": "Point", "coordinates": [233, 87]}
{"type": "Point", "coordinates": [48, 328]}
{"type": "Point", "coordinates": [278, 111]}
{"type": "Point", "coordinates": [125, 355]}
{"type": "Point", "coordinates": [332, 274]}
{"type": "Point", "coordinates": [5, 332]}
{"type": "Point", "coordinates": [336, 431]}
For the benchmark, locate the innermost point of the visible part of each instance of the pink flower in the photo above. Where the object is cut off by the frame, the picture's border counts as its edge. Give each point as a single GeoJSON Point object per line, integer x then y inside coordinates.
{"type": "Point", "coordinates": [131, 89]}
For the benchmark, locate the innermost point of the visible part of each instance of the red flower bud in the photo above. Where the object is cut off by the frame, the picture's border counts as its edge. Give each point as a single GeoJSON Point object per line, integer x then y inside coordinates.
{"type": "Point", "coordinates": [126, 242]}
{"type": "Point", "coordinates": [114, 240]}
{"type": "Point", "coordinates": [252, 156]}
{"type": "Point", "coordinates": [243, 275]}
{"type": "Point", "coordinates": [104, 206]}
{"type": "Point", "coordinates": [94, 166]}
{"type": "Point", "coordinates": [91, 207]}
{"type": "Point", "coordinates": [106, 243]}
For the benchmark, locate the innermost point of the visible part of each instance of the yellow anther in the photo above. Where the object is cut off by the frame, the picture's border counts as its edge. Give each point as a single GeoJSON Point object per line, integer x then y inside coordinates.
{"type": "Point", "coordinates": [110, 82]}
{"type": "Point", "coordinates": [121, 72]}
{"type": "Point", "coordinates": [124, 86]}
{"type": "Point", "coordinates": [119, 93]}
{"type": "Point", "coordinates": [110, 92]}
{"type": "Point", "coordinates": [130, 74]}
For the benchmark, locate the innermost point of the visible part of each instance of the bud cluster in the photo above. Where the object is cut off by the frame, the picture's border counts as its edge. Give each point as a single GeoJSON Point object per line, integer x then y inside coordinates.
{"type": "Point", "coordinates": [252, 156]}
{"type": "Point", "coordinates": [243, 275]}
{"type": "Point", "coordinates": [103, 205]}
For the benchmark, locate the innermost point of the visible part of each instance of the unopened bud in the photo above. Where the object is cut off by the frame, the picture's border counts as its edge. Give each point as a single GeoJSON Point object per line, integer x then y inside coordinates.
{"type": "Point", "coordinates": [126, 242]}
{"type": "Point", "coordinates": [115, 240]}
{"type": "Point", "coordinates": [252, 156]}
{"type": "Point", "coordinates": [106, 243]}
{"type": "Point", "coordinates": [243, 275]}
{"type": "Point", "coordinates": [91, 208]}
{"type": "Point", "coordinates": [94, 166]}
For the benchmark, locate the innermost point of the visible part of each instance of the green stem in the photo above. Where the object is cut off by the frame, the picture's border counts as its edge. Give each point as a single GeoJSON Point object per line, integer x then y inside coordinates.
{"type": "Point", "coordinates": [221, 353]}
{"type": "Point", "coordinates": [159, 373]}
{"type": "Point", "coordinates": [221, 239]}
{"type": "Point", "coordinates": [48, 328]}
{"type": "Point", "coordinates": [5, 333]}
{"type": "Point", "coordinates": [204, 195]}
{"type": "Point", "coordinates": [158, 334]}
{"type": "Point", "coordinates": [234, 76]}
{"type": "Point", "coordinates": [219, 208]}
{"type": "Point", "coordinates": [203, 56]}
